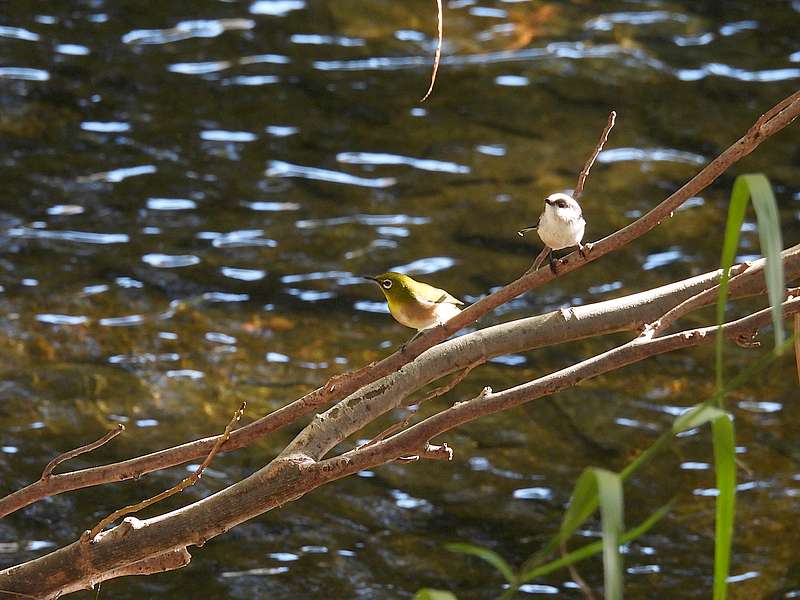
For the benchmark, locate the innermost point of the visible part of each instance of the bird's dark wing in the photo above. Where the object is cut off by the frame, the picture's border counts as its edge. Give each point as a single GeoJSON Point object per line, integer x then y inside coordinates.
{"type": "Point", "coordinates": [448, 299]}
{"type": "Point", "coordinates": [428, 293]}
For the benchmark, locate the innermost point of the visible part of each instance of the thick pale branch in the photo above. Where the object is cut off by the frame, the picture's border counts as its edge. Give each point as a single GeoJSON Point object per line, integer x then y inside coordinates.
{"type": "Point", "coordinates": [489, 402]}
{"type": "Point", "coordinates": [160, 563]}
{"type": "Point", "coordinates": [349, 416]}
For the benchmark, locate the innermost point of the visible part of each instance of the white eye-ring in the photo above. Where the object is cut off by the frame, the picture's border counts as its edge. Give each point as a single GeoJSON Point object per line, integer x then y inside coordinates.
{"type": "Point", "coordinates": [386, 283]}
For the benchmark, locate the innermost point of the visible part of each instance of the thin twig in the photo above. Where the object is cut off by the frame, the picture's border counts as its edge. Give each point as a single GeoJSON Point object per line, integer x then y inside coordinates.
{"type": "Point", "coordinates": [188, 481]}
{"type": "Point", "coordinates": [439, 391]}
{"type": "Point", "coordinates": [82, 450]}
{"type": "Point", "coordinates": [612, 117]}
{"type": "Point", "coordinates": [443, 389]}
{"type": "Point", "coordinates": [576, 576]}
{"type": "Point", "coordinates": [690, 304]}
{"type": "Point", "coordinates": [437, 58]}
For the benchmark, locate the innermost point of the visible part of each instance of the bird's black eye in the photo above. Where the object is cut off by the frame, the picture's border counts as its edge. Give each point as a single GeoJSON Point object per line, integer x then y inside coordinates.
{"type": "Point", "coordinates": [386, 283]}
{"type": "Point", "coordinates": [561, 204]}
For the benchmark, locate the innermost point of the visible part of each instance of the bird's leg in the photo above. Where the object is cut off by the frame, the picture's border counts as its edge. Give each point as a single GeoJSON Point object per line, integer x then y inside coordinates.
{"type": "Point", "coordinates": [537, 262]}
{"type": "Point", "coordinates": [553, 263]}
{"type": "Point", "coordinates": [415, 336]}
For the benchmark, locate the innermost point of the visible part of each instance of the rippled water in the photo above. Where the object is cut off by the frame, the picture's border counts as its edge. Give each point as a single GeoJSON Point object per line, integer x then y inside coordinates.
{"type": "Point", "coordinates": [188, 191]}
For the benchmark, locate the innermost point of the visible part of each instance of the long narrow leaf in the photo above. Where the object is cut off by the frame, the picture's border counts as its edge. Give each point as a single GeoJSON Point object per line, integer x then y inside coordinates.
{"type": "Point", "coordinates": [736, 210]}
{"type": "Point", "coordinates": [582, 504]}
{"type": "Point", "coordinates": [757, 188]}
{"type": "Point", "coordinates": [769, 235]}
{"type": "Point", "coordinates": [745, 188]}
{"type": "Point", "coordinates": [725, 467]}
{"type": "Point", "coordinates": [697, 416]}
{"type": "Point", "coordinates": [594, 548]}
{"type": "Point", "coordinates": [609, 487]}
{"type": "Point", "coordinates": [490, 556]}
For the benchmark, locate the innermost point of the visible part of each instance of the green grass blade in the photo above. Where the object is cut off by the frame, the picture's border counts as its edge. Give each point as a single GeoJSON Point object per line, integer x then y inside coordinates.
{"type": "Point", "coordinates": [582, 504]}
{"type": "Point", "coordinates": [609, 488]}
{"type": "Point", "coordinates": [697, 416]}
{"type": "Point", "coordinates": [736, 210]}
{"type": "Point", "coordinates": [725, 467]}
{"type": "Point", "coordinates": [745, 188]}
{"type": "Point", "coordinates": [757, 188]}
{"type": "Point", "coordinates": [769, 235]}
{"type": "Point", "coordinates": [490, 556]}
{"type": "Point", "coordinates": [585, 552]}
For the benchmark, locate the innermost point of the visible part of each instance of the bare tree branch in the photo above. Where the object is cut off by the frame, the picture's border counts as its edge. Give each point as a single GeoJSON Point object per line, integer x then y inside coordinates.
{"type": "Point", "coordinates": [347, 417]}
{"type": "Point", "coordinates": [629, 353]}
{"type": "Point", "coordinates": [48, 470]}
{"type": "Point", "coordinates": [290, 477]}
{"type": "Point", "coordinates": [300, 469]}
{"type": "Point", "coordinates": [626, 313]}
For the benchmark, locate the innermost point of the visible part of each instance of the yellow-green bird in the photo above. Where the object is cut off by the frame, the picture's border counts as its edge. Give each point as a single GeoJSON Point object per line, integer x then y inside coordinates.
{"type": "Point", "coordinates": [416, 304]}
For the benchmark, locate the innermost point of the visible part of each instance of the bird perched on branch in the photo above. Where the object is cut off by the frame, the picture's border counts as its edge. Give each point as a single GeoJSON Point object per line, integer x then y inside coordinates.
{"type": "Point", "coordinates": [561, 225]}
{"type": "Point", "coordinates": [416, 304]}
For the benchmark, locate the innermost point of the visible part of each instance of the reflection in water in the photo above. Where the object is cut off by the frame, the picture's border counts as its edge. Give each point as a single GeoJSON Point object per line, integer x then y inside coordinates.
{"type": "Point", "coordinates": [375, 158]}
{"type": "Point", "coordinates": [186, 199]}
{"type": "Point", "coordinates": [278, 168]}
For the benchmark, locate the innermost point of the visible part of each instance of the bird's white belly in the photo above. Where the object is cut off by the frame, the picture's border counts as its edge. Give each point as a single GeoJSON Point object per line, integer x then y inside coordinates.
{"type": "Point", "coordinates": [557, 233]}
{"type": "Point", "coordinates": [445, 311]}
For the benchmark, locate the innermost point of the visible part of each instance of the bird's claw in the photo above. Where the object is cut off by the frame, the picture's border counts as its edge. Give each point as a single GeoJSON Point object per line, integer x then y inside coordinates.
{"type": "Point", "coordinates": [584, 249]}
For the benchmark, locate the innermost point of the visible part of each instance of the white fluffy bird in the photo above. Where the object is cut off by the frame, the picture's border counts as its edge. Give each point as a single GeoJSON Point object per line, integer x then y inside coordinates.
{"type": "Point", "coordinates": [561, 225]}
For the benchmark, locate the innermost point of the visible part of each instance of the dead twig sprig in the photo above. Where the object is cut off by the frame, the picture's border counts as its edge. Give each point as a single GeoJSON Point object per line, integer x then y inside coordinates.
{"type": "Point", "coordinates": [188, 481]}
{"type": "Point", "coordinates": [438, 57]}
{"type": "Point", "coordinates": [48, 470]}
{"type": "Point", "coordinates": [612, 118]}
{"type": "Point", "coordinates": [439, 391]}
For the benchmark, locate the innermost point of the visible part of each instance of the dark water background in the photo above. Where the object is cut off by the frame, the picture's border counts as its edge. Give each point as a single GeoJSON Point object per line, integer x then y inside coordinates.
{"type": "Point", "coordinates": [249, 157]}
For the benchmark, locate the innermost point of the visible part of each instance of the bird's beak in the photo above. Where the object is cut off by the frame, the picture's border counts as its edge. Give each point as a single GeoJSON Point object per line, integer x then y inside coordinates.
{"type": "Point", "coordinates": [375, 279]}
{"type": "Point", "coordinates": [548, 201]}
{"type": "Point", "coordinates": [521, 232]}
